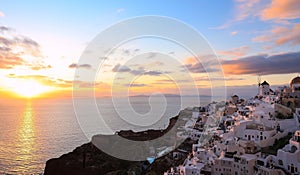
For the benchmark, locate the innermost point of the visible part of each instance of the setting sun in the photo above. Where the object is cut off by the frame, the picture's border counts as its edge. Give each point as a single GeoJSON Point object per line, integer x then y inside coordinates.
{"type": "Point", "coordinates": [30, 88]}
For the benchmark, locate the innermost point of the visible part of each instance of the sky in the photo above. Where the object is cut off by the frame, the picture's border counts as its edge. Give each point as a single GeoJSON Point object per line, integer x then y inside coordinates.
{"type": "Point", "coordinates": [41, 43]}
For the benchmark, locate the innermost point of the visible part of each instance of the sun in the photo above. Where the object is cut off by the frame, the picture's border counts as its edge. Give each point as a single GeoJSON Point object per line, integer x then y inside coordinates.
{"type": "Point", "coordinates": [30, 88]}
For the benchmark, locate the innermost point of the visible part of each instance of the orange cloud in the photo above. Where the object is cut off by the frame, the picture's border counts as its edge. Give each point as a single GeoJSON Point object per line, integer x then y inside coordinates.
{"type": "Point", "coordinates": [65, 85]}
{"type": "Point", "coordinates": [18, 50]}
{"type": "Point", "coordinates": [246, 8]}
{"type": "Point", "coordinates": [235, 52]}
{"type": "Point", "coordinates": [243, 9]}
{"type": "Point", "coordinates": [233, 69]}
{"type": "Point", "coordinates": [281, 35]}
{"type": "Point", "coordinates": [282, 9]}
{"type": "Point", "coordinates": [190, 60]}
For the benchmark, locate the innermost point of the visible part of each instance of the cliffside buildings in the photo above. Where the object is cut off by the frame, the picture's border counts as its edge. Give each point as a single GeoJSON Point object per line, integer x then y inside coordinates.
{"type": "Point", "coordinates": [258, 136]}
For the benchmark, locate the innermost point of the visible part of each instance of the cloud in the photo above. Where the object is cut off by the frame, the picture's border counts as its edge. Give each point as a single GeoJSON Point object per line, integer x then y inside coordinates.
{"type": "Point", "coordinates": [26, 76]}
{"type": "Point", "coordinates": [139, 71]}
{"type": "Point", "coordinates": [165, 81]}
{"type": "Point", "coordinates": [196, 64]}
{"type": "Point", "coordinates": [85, 66]}
{"type": "Point", "coordinates": [155, 64]}
{"type": "Point", "coordinates": [281, 12]}
{"type": "Point", "coordinates": [4, 29]}
{"type": "Point", "coordinates": [19, 50]}
{"type": "Point", "coordinates": [153, 73]}
{"type": "Point", "coordinates": [236, 52]}
{"type": "Point", "coordinates": [40, 67]}
{"type": "Point", "coordinates": [233, 33]}
{"type": "Point", "coordinates": [278, 11]}
{"type": "Point", "coordinates": [142, 71]}
{"type": "Point", "coordinates": [2, 14]}
{"type": "Point", "coordinates": [120, 10]}
{"type": "Point", "coordinates": [135, 85]}
{"type": "Point", "coordinates": [39, 78]}
{"type": "Point", "coordinates": [244, 9]}
{"type": "Point", "coordinates": [10, 60]}
{"type": "Point", "coordinates": [172, 82]}
{"type": "Point", "coordinates": [152, 54]}
{"type": "Point", "coordinates": [198, 68]}
{"type": "Point", "coordinates": [281, 9]}
{"type": "Point", "coordinates": [206, 78]}
{"type": "Point", "coordinates": [281, 35]}
{"type": "Point", "coordinates": [264, 64]}
{"type": "Point", "coordinates": [60, 83]}
{"type": "Point", "coordinates": [4, 49]}
{"type": "Point", "coordinates": [121, 68]}
{"type": "Point", "coordinates": [84, 84]}
{"type": "Point", "coordinates": [190, 60]}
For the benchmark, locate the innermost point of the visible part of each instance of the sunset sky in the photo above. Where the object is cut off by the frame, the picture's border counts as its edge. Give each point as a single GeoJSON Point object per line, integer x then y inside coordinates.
{"type": "Point", "coordinates": [41, 43]}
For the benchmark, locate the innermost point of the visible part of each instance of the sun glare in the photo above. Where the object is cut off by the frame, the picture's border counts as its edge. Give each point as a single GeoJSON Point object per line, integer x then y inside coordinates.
{"type": "Point", "coordinates": [30, 88]}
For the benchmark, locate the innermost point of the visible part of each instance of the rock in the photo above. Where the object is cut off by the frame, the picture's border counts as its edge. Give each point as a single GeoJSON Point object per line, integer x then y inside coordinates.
{"type": "Point", "coordinates": [89, 160]}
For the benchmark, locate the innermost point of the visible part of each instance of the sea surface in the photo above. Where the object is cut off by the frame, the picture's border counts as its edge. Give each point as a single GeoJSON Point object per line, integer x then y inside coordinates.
{"type": "Point", "coordinates": [35, 130]}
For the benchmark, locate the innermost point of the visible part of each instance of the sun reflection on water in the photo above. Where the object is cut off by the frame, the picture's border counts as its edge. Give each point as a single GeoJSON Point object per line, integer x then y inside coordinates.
{"type": "Point", "coordinates": [26, 136]}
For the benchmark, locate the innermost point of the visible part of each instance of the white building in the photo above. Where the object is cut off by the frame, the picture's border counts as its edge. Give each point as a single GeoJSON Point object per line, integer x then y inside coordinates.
{"type": "Point", "coordinates": [191, 167]}
{"type": "Point", "coordinates": [194, 134]}
{"type": "Point", "coordinates": [297, 116]}
{"type": "Point", "coordinates": [234, 165]}
{"type": "Point", "coordinates": [264, 89]}
{"type": "Point", "coordinates": [262, 135]}
{"type": "Point", "coordinates": [289, 157]}
{"type": "Point", "coordinates": [267, 166]}
{"type": "Point", "coordinates": [235, 99]}
{"type": "Point", "coordinates": [204, 155]}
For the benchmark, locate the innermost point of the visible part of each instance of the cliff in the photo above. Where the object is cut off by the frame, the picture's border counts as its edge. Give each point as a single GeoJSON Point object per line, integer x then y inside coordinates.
{"type": "Point", "coordinates": [89, 160]}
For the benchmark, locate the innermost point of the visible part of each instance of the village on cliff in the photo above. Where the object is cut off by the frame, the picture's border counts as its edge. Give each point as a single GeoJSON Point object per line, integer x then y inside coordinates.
{"type": "Point", "coordinates": [257, 136]}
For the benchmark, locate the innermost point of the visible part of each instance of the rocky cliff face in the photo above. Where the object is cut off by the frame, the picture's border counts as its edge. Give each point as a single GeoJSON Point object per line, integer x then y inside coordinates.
{"type": "Point", "coordinates": [89, 160]}
{"type": "Point", "coordinates": [99, 163]}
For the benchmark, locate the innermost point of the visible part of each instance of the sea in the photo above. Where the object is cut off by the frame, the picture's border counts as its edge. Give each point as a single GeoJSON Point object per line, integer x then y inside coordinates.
{"type": "Point", "coordinates": [35, 130]}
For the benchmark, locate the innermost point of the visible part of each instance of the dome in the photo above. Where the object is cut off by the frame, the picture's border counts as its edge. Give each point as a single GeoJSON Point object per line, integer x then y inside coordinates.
{"type": "Point", "coordinates": [296, 80]}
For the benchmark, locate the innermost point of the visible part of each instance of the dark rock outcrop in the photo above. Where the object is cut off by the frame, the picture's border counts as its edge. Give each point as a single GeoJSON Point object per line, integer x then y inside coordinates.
{"type": "Point", "coordinates": [99, 163]}
{"type": "Point", "coordinates": [89, 160]}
